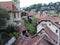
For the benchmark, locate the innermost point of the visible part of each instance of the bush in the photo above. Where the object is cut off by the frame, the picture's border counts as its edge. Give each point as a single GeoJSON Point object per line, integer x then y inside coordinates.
{"type": "Point", "coordinates": [30, 27]}
{"type": "Point", "coordinates": [4, 16]}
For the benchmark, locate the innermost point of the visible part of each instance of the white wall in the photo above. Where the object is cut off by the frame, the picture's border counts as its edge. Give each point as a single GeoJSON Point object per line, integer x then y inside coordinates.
{"type": "Point", "coordinates": [39, 27]}
{"type": "Point", "coordinates": [52, 27]}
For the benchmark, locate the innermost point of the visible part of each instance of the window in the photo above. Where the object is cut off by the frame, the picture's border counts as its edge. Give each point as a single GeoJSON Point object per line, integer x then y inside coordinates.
{"type": "Point", "coordinates": [56, 31]}
{"type": "Point", "coordinates": [53, 40]}
{"type": "Point", "coordinates": [43, 24]}
{"type": "Point", "coordinates": [24, 32]}
{"type": "Point", "coordinates": [14, 15]}
{"type": "Point", "coordinates": [56, 42]}
{"type": "Point", "coordinates": [23, 14]}
{"type": "Point", "coordinates": [49, 24]}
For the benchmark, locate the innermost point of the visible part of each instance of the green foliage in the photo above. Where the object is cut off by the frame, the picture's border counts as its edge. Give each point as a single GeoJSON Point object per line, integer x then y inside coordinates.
{"type": "Point", "coordinates": [12, 32]}
{"type": "Point", "coordinates": [4, 13]}
{"type": "Point", "coordinates": [34, 21]}
{"type": "Point", "coordinates": [55, 15]}
{"type": "Point", "coordinates": [16, 34]}
{"type": "Point", "coordinates": [15, 30]}
{"type": "Point", "coordinates": [4, 16]}
{"type": "Point", "coordinates": [45, 7]}
{"type": "Point", "coordinates": [14, 27]}
{"type": "Point", "coordinates": [30, 27]}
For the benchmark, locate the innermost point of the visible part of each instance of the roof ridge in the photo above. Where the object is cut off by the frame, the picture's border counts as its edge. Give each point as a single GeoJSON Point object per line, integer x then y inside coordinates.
{"type": "Point", "coordinates": [35, 43]}
{"type": "Point", "coordinates": [50, 33]}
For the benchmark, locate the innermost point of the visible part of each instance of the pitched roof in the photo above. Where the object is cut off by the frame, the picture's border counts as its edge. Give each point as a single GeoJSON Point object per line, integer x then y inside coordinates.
{"type": "Point", "coordinates": [56, 19]}
{"type": "Point", "coordinates": [9, 6]}
{"type": "Point", "coordinates": [38, 40]}
{"type": "Point", "coordinates": [43, 17]}
{"type": "Point", "coordinates": [22, 40]}
{"type": "Point", "coordinates": [50, 33]}
{"type": "Point", "coordinates": [57, 25]}
{"type": "Point", "coordinates": [48, 17]}
{"type": "Point", "coordinates": [30, 13]}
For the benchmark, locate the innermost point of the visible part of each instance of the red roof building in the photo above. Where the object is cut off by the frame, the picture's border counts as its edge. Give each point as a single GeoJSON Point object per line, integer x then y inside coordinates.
{"type": "Point", "coordinates": [9, 6]}
{"type": "Point", "coordinates": [37, 40]}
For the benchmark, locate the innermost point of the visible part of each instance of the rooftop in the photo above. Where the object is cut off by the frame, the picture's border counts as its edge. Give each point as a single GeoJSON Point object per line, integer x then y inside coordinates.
{"type": "Point", "coordinates": [9, 6]}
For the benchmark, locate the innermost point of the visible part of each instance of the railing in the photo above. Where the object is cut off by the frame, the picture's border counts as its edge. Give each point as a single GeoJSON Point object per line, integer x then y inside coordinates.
{"type": "Point", "coordinates": [11, 41]}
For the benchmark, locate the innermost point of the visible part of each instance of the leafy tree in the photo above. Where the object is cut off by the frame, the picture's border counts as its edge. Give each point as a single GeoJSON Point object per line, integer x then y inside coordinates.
{"type": "Point", "coordinates": [34, 21]}
{"type": "Point", "coordinates": [30, 27]}
{"type": "Point", "coordinates": [39, 7]}
{"type": "Point", "coordinates": [8, 31]}
{"type": "Point", "coordinates": [4, 16]}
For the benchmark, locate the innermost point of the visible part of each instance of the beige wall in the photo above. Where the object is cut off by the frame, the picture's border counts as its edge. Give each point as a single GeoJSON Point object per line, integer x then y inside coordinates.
{"type": "Point", "coordinates": [18, 17]}
{"type": "Point", "coordinates": [12, 19]}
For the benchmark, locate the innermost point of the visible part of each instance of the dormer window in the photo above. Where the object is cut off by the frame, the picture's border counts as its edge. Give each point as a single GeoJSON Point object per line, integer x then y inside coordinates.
{"type": "Point", "coordinates": [56, 31]}
{"type": "Point", "coordinates": [56, 42]}
{"type": "Point", "coordinates": [44, 24]}
{"type": "Point", "coordinates": [14, 15]}
{"type": "Point", "coordinates": [49, 24]}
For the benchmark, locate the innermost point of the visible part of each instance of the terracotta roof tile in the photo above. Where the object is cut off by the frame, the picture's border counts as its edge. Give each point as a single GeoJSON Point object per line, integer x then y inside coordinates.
{"type": "Point", "coordinates": [22, 40]}
{"type": "Point", "coordinates": [38, 40]}
{"type": "Point", "coordinates": [50, 33]}
{"type": "Point", "coordinates": [43, 17]}
{"type": "Point", "coordinates": [48, 17]}
{"type": "Point", "coordinates": [56, 19]}
{"type": "Point", "coordinates": [56, 24]}
{"type": "Point", "coordinates": [9, 5]}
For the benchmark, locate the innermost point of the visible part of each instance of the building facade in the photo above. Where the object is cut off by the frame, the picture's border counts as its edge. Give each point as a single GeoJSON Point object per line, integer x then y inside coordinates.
{"type": "Point", "coordinates": [13, 11]}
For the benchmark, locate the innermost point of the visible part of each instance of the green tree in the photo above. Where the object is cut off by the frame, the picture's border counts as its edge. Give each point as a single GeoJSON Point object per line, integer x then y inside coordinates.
{"type": "Point", "coordinates": [30, 27]}
{"type": "Point", "coordinates": [8, 31]}
{"type": "Point", "coordinates": [4, 17]}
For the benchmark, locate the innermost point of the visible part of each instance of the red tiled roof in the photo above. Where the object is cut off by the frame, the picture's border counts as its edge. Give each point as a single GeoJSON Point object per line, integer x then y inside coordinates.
{"type": "Point", "coordinates": [50, 33]}
{"type": "Point", "coordinates": [56, 19]}
{"type": "Point", "coordinates": [44, 17]}
{"type": "Point", "coordinates": [56, 24]}
{"type": "Point", "coordinates": [38, 40]}
{"type": "Point", "coordinates": [22, 40]}
{"type": "Point", "coordinates": [44, 41]}
{"type": "Point", "coordinates": [30, 13]}
{"type": "Point", "coordinates": [48, 17]}
{"type": "Point", "coordinates": [9, 5]}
